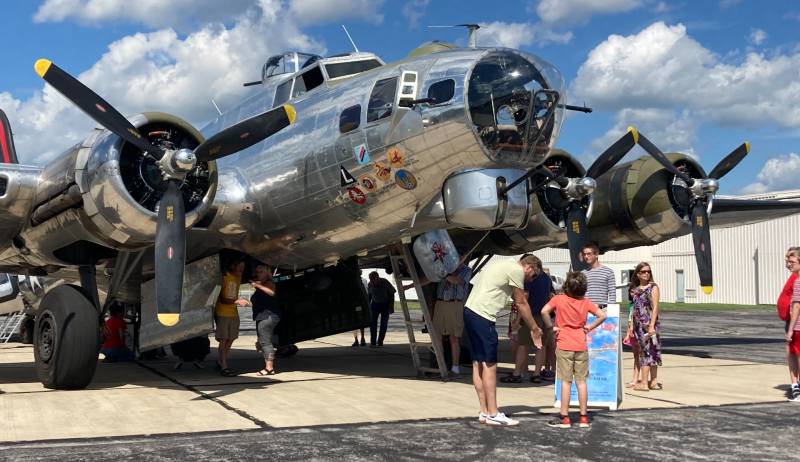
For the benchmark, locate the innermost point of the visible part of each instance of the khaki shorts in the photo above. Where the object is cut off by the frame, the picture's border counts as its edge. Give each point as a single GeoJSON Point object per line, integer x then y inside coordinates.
{"type": "Point", "coordinates": [525, 338]}
{"type": "Point", "coordinates": [227, 328]}
{"type": "Point", "coordinates": [572, 363]}
{"type": "Point", "coordinates": [448, 318]}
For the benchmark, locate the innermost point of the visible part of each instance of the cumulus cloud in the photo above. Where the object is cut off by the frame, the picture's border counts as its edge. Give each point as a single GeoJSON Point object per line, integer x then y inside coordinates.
{"type": "Point", "coordinates": [757, 36]}
{"type": "Point", "coordinates": [515, 35]}
{"type": "Point", "coordinates": [151, 13]}
{"type": "Point", "coordinates": [565, 12]}
{"type": "Point", "coordinates": [159, 71]}
{"type": "Point", "coordinates": [779, 173]}
{"type": "Point", "coordinates": [325, 11]}
{"type": "Point", "coordinates": [662, 67]}
{"type": "Point", "coordinates": [414, 11]}
{"type": "Point", "coordinates": [671, 131]}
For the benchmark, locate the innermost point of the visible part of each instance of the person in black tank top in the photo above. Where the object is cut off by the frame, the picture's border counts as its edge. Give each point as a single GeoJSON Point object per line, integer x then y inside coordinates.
{"type": "Point", "coordinates": [266, 314]}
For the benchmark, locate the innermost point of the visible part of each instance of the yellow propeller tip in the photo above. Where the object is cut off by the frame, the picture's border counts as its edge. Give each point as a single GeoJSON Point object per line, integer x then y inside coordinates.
{"type": "Point", "coordinates": [635, 134]}
{"type": "Point", "coordinates": [290, 113]}
{"type": "Point", "coordinates": [706, 290]}
{"type": "Point", "coordinates": [747, 146]}
{"type": "Point", "coordinates": [168, 319]}
{"type": "Point", "coordinates": [42, 66]}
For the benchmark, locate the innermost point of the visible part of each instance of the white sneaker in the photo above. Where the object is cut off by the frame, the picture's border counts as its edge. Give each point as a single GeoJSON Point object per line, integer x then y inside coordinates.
{"type": "Point", "coordinates": [482, 417]}
{"type": "Point", "coordinates": [500, 420]}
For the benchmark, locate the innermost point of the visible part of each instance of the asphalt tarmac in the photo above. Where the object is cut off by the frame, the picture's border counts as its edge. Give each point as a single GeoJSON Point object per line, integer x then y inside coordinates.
{"type": "Point", "coordinates": [766, 431]}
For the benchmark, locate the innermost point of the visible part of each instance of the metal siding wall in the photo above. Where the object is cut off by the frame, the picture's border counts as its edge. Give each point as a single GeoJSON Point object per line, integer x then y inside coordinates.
{"type": "Point", "coordinates": [748, 262]}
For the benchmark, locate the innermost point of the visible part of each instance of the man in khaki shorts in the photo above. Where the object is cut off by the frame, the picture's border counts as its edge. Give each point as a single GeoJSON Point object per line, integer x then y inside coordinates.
{"type": "Point", "coordinates": [226, 315]}
{"type": "Point", "coordinates": [448, 316]}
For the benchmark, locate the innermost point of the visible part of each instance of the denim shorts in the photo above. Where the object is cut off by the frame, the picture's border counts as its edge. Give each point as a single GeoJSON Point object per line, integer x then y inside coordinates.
{"type": "Point", "coordinates": [482, 337]}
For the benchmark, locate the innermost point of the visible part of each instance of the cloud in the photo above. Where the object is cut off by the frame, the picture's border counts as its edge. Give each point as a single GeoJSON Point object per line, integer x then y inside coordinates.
{"type": "Point", "coordinates": [516, 35]}
{"type": "Point", "coordinates": [757, 36]}
{"type": "Point", "coordinates": [725, 4]}
{"type": "Point", "coordinates": [662, 67]}
{"type": "Point", "coordinates": [152, 13]}
{"type": "Point", "coordinates": [671, 131]}
{"type": "Point", "coordinates": [565, 12]}
{"type": "Point", "coordinates": [663, 7]}
{"type": "Point", "coordinates": [308, 12]}
{"type": "Point", "coordinates": [779, 173]}
{"type": "Point", "coordinates": [414, 10]}
{"type": "Point", "coordinates": [158, 71]}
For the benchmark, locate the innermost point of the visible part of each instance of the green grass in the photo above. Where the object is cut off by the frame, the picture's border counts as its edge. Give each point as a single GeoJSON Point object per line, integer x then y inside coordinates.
{"type": "Point", "coordinates": [662, 306]}
{"type": "Point", "coordinates": [710, 307]}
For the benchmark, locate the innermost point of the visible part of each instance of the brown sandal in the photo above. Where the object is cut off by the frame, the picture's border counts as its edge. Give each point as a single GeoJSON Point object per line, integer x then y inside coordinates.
{"type": "Point", "coordinates": [641, 387]}
{"type": "Point", "coordinates": [656, 387]}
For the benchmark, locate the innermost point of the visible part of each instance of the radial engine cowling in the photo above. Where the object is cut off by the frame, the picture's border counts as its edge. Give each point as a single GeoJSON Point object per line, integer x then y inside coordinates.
{"type": "Point", "coordinates": [640, 203]}
{"type": "Point", "coordinates": [125, 184]}
{"type": "Point", "coordinates": [547, 225]}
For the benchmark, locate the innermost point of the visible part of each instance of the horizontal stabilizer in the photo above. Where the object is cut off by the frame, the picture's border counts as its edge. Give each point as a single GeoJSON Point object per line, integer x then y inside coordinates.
{"type": "Point", "coordinates": [8, 155]}
{"type": "Point", "coordinates": [727, 213]}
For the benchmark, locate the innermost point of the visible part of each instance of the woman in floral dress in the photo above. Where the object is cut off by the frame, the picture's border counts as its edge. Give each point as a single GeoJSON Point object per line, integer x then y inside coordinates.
{"type": "Point", "coordinates": [646, 328]}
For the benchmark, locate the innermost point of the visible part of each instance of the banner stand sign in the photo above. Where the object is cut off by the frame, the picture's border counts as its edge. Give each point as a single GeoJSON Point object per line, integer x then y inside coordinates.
{"type": "Point", "coordinates": [605, 382]}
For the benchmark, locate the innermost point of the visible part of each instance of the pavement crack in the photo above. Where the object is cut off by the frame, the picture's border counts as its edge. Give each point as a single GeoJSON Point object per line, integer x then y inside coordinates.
{"type": "Point", "coordinates": [239, 412]}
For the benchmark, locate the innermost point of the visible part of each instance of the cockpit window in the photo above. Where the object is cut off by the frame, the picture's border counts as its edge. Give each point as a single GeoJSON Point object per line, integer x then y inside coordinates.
{"type": "Point", "coordinates": [282, 93]}
{"type": "Point", "coordinates": [350, 119]}
{"type": "Point", "coordinates": [381, 100]}
{"type": "Point", "coordinates": [443, 91]}
{"type": "Point", "coordinates": [514, 107]}
{"type": "Point", "coordinates": [307, 82]}
{"type": "Point", "coordinates": [337, 70]}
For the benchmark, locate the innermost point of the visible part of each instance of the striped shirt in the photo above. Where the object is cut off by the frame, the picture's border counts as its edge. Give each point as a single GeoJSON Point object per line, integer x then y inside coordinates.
{"type": "Point", "coordinates": [383, 292]}
{"type": "Point", "coordinates": [601, 286]}
{"type": "Point", "coordinates": [449, 291]}
{"type": "Point", "coordinates": [795, 298]}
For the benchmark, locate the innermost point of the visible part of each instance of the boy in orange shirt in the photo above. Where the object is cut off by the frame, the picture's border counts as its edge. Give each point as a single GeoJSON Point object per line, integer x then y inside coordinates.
{"type": "Point", "coordinates": [572, 353]}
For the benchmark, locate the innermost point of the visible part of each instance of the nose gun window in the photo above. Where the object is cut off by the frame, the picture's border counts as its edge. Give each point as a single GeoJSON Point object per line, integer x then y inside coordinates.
{"type": "Point", "coordinates": [509, 109]}
{"type": "Point", "coordinates": [381, 100]}
{"type": "Point", "coordinates": [442, 92]}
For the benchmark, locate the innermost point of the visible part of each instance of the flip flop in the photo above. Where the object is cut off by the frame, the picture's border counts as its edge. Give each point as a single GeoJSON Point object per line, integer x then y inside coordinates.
{"type": "Point", "coordinates": [227, 373]}
{"type": "Point", "coordinates": [265, 372]}
{"type": "Point", "coordinates": [630, 385]}
{"type": "Point", "coordinates": [512, 379]}
{"type": "Point", "coordinates": [657, 387]}
{"type": "Point", "coordinates": [536, 379]}
{"type": "Point", "coordinates": [641, 388]}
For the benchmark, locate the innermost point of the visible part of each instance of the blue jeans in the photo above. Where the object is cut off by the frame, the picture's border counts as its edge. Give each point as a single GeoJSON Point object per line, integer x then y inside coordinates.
{"type": "Point", "coordinates": [377, 309]}
{"type": "Point", "coordinates": [122, 354]}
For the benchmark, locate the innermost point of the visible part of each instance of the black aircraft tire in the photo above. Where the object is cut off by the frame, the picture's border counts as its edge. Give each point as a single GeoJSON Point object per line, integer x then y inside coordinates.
{"type": "Point", "coordinates": [66, 339]}
{"type": "Point", "coordinates": [26, 331]}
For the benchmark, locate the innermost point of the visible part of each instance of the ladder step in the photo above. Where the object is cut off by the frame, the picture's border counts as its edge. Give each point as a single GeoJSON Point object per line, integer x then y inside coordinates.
{"type": "Point", "coordinates": [418, 323]}
{"type": "Point", "coordinates": [397, 257]}
{"type": "Point", "coordinates": [421, 344]}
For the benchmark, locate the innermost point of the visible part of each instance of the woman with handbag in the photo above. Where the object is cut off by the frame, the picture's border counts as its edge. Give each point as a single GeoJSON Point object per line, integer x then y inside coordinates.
{"type": "Point", "coordinates": [646, 328]}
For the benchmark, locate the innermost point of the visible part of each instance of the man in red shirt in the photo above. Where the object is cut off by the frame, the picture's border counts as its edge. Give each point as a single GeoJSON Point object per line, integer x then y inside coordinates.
{"type": "Point", "coordinates": [572, 353]}
{"type": "Point", "coordinates": [114, 329]}
{"type": "Point", "coordinates": [787, 301]}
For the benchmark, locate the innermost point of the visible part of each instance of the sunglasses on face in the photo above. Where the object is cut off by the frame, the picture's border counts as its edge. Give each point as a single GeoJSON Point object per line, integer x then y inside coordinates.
{"type": "Point", "coordinates": [586, 254]}
{"type": "Point", "coordinates": [645, 272]}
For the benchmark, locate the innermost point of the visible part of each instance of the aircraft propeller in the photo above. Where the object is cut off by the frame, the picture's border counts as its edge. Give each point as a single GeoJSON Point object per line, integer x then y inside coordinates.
{"type": "Point", "coordinates": [697, 190]}
{"type": "Point", "coordinates": [577, 189]}
{"type": "Point", "coordinates": [170, 239]}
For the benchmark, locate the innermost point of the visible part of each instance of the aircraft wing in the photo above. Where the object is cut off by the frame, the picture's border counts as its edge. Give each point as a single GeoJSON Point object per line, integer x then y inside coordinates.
{"type": "Point", "coordinates": [727, 213]}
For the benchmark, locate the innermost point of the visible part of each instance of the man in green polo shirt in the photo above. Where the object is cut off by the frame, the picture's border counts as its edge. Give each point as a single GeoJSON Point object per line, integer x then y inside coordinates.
{"type": "Point", "coordinates": [499, 280]}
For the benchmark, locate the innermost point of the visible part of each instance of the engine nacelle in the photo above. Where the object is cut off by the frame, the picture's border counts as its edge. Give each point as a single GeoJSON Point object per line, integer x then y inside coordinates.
{"type": "Point", "coordinates": [105, 191]}
{"type": "Point", "coordinates": [547, 225]}
{"type": "Point", "coordinates": [639, 203]}
{"type": "Point", "coordinates": [17, 189]}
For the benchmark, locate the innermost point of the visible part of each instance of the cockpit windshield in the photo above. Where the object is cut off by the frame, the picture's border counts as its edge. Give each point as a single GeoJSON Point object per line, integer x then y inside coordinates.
{"type": "Point", "coordinates": [287, 63]}
{"type": "Point", "coordinates": [516, 104]}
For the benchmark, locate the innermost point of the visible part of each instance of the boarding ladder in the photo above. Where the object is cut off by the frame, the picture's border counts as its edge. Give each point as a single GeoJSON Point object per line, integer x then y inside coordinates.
{"type": "Point", "coordinates": [415, 345]}
{"type": "Point", "coordinates": [10, 324]}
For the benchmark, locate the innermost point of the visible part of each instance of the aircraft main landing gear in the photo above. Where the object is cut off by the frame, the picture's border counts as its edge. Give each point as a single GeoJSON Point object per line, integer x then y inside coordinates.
{"type": "Point", "coordinates": [66, 339]}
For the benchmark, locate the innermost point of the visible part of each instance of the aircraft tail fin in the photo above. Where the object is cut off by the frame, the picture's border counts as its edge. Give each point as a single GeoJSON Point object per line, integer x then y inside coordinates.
{"type": "Point", "coordinates": [8, 154]}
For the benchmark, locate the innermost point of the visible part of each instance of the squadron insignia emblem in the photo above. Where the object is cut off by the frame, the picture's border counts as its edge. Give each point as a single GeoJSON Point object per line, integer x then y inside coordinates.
{"type": "Point", "coordinates": [405, 179]}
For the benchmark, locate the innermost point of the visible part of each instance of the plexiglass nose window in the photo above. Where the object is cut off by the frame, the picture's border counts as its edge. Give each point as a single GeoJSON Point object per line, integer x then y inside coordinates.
{"type": "Point", "coordinates": [514, 101]}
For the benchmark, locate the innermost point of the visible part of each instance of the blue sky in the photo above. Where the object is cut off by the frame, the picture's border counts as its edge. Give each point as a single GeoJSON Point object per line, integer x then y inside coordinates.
{"type": "Point", "coordinates": [695, 77]}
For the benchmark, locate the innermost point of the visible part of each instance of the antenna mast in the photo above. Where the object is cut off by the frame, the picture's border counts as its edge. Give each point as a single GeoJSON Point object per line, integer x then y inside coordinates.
{"type": "Point", "coordinates": [351, 38]}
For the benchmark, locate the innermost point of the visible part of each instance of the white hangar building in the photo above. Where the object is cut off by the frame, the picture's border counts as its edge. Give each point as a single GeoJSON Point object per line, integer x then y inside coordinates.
{"type": "Point", "coordinates": [748, 261]}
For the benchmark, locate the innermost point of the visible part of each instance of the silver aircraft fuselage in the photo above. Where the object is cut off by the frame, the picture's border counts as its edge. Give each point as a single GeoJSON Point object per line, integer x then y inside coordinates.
{"type": "Point", "coordinates": [282, 200]}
